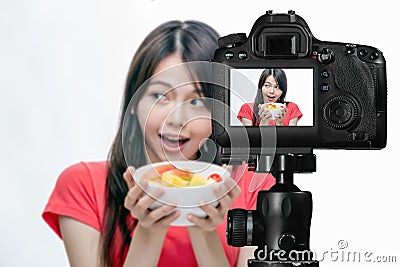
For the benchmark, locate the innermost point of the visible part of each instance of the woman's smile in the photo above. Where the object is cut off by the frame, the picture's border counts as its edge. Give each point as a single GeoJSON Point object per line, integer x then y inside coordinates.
{"type": "Point", "coordinates": [172, 144]}
{"type": "Point", "coordinates": [271, 98]}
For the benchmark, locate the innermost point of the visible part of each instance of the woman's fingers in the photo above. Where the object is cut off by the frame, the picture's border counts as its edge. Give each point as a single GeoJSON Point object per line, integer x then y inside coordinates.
{"type": "Point", "coordinates": [233, 189]}
{"type": "Point", "coordinates": [134, 194]}
{"type": "Point", "coordinates": [127, 175]}
{"type": "Point", "coordinates": [228, 168]}
{"type": "Point", "coordinates": [161, 212]}
{"type": "Point", "coordinates": [163, 215]}
{"type": "Point", "coordinates": [215, 215]}
{"type": "Point", "coordinates": [227, 194]}
{"type": "Point", "coordinates": [203, 223]}
{"type": "Point", "coordinates": [138, 202]}
{"type": "Point", "coordinates": [224, 204]}
{"type": "Point", "coordinates": [284, 111]}
{"type": "Point", "coordinates": [265, 113]}
{"type": "Point", "coordinates": [170, 218]}
{"type": "Point", "coordinates": [147, 200]}
{"type": "Point", "coordinates": [260, 111]}
{"type": "Point", "coordinates": [211, 221]}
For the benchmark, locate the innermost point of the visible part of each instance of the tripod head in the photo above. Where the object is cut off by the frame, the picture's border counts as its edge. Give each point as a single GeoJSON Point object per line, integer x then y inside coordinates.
{"type": "Point", "coordinates": [280, 225]}
{"type": "Point", "coordinates": [285, 163]}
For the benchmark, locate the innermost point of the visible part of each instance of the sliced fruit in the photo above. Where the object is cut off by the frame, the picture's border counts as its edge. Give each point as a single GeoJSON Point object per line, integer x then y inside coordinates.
{"type": "Point", "coordinates": [173, 180]}
{"type": "Point", "coordinates": [216, 177]}
{"type": "Point", "coordinates": [273, 106]}
{"type": "Point", "coordinates": [163, 168]}
{"type": "Point", "coordinates": [157, 179]}
{"type": "Point", "coordinates": [158, 171]}
{"type": "Point", "coordinates": [198, 180]}
{"type": "Point", "coordinates": [183, 174]}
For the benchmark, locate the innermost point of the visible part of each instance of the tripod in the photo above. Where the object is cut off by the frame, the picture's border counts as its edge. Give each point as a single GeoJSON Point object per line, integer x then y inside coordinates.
{"type": "Point", "coordinates": [286, 212]}
{"type": "Point", "coordinates": [280, 225]}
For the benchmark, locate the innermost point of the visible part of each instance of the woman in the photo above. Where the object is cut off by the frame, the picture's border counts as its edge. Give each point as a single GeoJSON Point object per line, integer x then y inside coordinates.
{"type": "Point", "coordinates": [102, 216]}
{"type": "Point", "coordinates": [272, 88]}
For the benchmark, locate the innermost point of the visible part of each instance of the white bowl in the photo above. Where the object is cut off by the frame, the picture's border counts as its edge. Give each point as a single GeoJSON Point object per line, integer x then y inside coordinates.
{"type": "Point", "coordinates": [275, 112]}
{"type": "Point", "coordinates": [187, 199]}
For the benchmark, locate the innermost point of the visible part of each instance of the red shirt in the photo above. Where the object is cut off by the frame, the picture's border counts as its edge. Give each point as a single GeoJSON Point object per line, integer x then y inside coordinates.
{"type": "Point", "coordinates": [246, 111]}
{"type": "Point", "coordinates": [80, 190]}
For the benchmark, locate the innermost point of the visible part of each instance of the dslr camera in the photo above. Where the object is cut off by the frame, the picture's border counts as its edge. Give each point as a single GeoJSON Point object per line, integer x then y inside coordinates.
{"type": "Point", "coordinates": [339, 87]}
{"type": "Point", "coordinates": [339, 91]}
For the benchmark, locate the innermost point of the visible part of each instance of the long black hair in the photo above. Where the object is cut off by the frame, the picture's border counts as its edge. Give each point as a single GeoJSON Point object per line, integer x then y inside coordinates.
{"type": "Point", "coordinates": [280, 77]}
{"type": "Point", "coordinates": [193, 41]}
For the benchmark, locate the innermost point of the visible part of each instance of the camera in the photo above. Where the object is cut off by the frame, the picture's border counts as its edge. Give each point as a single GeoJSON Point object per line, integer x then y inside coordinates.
{"type": "Point", "coordinates": [340, 88]}
{"type": "Point", "coordinates": [335, 96]}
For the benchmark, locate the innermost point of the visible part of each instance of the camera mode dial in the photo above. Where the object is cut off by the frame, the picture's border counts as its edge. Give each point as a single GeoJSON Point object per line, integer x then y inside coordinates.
{"type": "Point", "coordinates": [340, 112]}
{"type": "Point", "coordinates": [325, 56]}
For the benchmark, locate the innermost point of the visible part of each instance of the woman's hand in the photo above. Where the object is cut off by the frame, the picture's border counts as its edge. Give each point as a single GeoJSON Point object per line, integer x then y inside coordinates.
{"type": "Point", "coordinates": [279, 118]}
{"type": "Point", "coordinates": [264, 114]}
{"type": "Point", "coordinates": [206, 242]}
{"type": "Point", "coordinates": [138, 203]}
{"type": "Point", "coordinates": [215, 215]}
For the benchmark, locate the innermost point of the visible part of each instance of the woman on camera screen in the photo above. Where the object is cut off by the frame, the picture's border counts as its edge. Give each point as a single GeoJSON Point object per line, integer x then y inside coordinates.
{"type": "Point", "coordinates": [104, 216]}
{"type": "Point", "coordinates": [269, 107]}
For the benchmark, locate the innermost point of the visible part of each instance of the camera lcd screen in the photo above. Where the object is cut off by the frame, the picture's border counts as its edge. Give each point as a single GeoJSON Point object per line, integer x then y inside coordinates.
{"type": "Point", "coordinates": [271, 97]}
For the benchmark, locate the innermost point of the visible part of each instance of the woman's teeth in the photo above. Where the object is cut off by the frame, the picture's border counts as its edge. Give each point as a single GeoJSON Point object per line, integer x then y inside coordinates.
{"type": "Point", "coordinates": [173, 140]}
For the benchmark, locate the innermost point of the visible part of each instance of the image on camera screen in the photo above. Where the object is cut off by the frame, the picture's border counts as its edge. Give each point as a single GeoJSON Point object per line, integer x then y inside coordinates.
{"type": "Point", "coordinates": [271, 97]}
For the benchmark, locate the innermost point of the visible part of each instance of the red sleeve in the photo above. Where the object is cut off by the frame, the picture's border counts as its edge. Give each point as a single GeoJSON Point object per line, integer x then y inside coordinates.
{"type": "Point", "coordinates": [246, 111]}
{"type": "Point", "coordinates": [294, 111]}
{"type": "Point", "coordinates": [74, 196]}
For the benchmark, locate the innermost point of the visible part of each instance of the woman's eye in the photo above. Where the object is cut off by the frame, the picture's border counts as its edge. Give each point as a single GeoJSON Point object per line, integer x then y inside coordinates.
{"type": "Point", "coordinates": [198, 102]}
{"type": "Point", "coordinates": [159, 96]}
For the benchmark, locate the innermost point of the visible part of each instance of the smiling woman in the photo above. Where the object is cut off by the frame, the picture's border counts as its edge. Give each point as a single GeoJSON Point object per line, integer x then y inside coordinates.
{"type": "Point", "coordinates": [103, 216]}
{"type": "Point", "coordinates": [272, 88]}
{"type": "Point", "coordinates": [172, 114]}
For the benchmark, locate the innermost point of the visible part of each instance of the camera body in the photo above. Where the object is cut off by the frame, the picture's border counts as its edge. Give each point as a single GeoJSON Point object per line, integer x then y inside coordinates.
{"type": "Point", "coordinates": [340, 90]}
{"type": "Point", "coordinates": [346, 89]}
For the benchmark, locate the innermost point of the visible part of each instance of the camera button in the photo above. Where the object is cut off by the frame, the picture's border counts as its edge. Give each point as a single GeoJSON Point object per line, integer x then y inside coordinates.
{"type": "Point", "coordinates": [350, 50]}
{"type": "Point", "coordinates": [242, 55]}
{"type": "Point", "coordinates": [325, 87]}
{"type": "Point", "coordinates": [374, 56]}
{"type": "Point", "coordinates": [325, 74]}
{"type": "Point", "coordinates": [229, 55]}
{"type": "Point", "coordinates": [362, 52]}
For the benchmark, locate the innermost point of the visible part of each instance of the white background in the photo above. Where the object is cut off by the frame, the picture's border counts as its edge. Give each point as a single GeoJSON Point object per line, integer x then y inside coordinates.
{"type": "Point", "coordinates": [62, 70]}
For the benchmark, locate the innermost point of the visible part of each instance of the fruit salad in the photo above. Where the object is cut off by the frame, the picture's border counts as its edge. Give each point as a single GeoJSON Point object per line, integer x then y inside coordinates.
{"type": "Point", "coordinates": [168, 175]}
{"type": "Point", "coordinates": [272, 106]}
